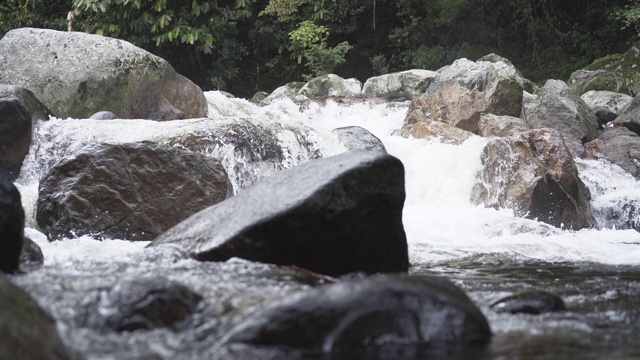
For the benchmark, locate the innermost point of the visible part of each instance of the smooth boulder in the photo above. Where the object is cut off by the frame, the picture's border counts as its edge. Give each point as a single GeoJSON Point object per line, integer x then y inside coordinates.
{"type": "Point", "coordinates": [129, 191]}
{"type": "Point", "coordinates": [533, 173]}
{"type": "Point", "coordinates": [557, 106]}
{"type": "Point", "coordinates": [28, 332]}
{"type": "Point", "coordinates": [11, 226]}
{"type": "Point", "coordinates": [333, 216]}
{"type": "Point", "coordinates": [407, 84]}
{"type": "Point", "coordinates": [358, 138]}
{"type": "Point", "coordinates": [77, 74]}
{"type": "Point", "coordinates": [331, 85]}
{"type": "Point", "coordinates": [368, 316]}
{"type": "Point", "coordinates": [464, 90]}
{"type": "Point", "coordinates": [19, 111]}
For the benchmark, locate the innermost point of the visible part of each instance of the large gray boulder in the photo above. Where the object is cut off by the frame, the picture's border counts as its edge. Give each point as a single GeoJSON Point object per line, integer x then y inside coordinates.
{"type": "Point", "coordinates": [28, 332]}
{"type": "Point", "coordinates": [331, 85]}
{"type": "Point", "coordinates": [619, 145]}
{"type": "Point", "coordinates": [19, 111]}
{"type": "Point", "coordinates": [334, 216]}
{"type": "Point", "coordinates": [614, 102]}
{"type": "Point", "coordinates": [533, 173]}
{"type": "Point", "coordinates": [616, 73]}
{"type": "Point", "coordinates": [286, 91]}
{"type": "Point", "coordinates": [464, 90]}
{"type": "Point", "coordinates": [557, 106]}
{"type": "Point", "coordinates": [370, 316]}
{"type": "Point", "coordinates": [407, 84]}
{"type": "Point", "coordinates": [128, 191]}
{"type": "Point", "coordinates": [77, 74]}
{"type": "Point", "coordinates": [358, 138]}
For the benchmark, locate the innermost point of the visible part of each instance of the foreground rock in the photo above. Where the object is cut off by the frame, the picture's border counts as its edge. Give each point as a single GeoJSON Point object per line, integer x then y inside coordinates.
{"type": "Point", "coordinates": [77, 74]}
{"type": "Point", "coordinates": [28, 332]}
{"type": "Point", "coordinates": [142, 304]}
{"type": "Point", "coordinates": [11, 226]}
{"type": "Point", "coordinates": [407, 84]}
{"type": "Point", "coordinates": [333, 216]}
{"type": "Point", "coordinates": [358, 138]}
{"type": "Point", "coordinates": [461, 92]}
{"type": "Point", "coordinates": [533, 173]}
{"type": "Point", "coordinates": [378, 313]}
{"type": "Point", "coordinates": [531, 302]}
{"type": "Point", "coordinates": [128, 191]}
{"type": "Point", "coordinates": [619, 145]}
{"type": "Point", "coordinates": [556, 106]}
{"type": "Point", "coordinates": [19, 110]}
{"type": "Point", "coordinates": [616, 73]}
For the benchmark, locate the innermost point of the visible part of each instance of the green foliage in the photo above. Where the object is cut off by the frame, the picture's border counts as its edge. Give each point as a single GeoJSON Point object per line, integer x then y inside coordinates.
{"type": "Point", "coordinates": [379, 64]}
{"type": "Point", "coordinates": [33, 13]}
{"type": "Point", "coordinates": [310, 41]}
{"type": "Point", "coordinates": [630, 16]}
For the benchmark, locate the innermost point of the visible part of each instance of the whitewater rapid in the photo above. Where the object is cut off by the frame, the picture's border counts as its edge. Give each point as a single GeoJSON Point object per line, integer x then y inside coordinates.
{"type": "Point", "coordinates": [441, 223]}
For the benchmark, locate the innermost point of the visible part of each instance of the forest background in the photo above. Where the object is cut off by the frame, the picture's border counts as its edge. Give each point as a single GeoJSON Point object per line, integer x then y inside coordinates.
{"type": "Point", "coordinates": [242, 46]}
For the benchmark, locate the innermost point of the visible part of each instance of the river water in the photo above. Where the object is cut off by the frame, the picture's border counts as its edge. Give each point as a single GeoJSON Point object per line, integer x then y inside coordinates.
{"type": "Point", "coordinates": [490, 253]}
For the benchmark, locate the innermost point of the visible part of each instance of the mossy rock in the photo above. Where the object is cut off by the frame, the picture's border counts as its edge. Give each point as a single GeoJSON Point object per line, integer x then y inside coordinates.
{"type": "Point", "coordinates": [616, 73]}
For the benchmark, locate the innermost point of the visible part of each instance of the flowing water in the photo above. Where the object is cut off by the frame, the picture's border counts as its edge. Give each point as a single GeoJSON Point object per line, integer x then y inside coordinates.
{"type": "Point", "coordinates": [490, 253]}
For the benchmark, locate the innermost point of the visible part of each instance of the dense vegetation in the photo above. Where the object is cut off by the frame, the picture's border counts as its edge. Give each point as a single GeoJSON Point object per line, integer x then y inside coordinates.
{"type": "Point", "coordinates": [246, 45]}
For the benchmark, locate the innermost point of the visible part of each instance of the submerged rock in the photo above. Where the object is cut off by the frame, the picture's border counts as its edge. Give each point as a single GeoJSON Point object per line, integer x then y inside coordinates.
{"type": "Point", "coordinates": [556, 106]}
{"type": "Point", "coordinates": [76, 74]}
{"type": "Point", "coordinates": [333, 216]}
{"type": "Point", "coordinates": [142, 304]}
{"type": "Point", "coordinates": [129, 191]}
{"type": "Point", "coordinates": [530, 302]}
{"type": "Point", "coordinates": [11, 226]}
{"type": "Point", "coordinates": [533, 173]}
{"type": "Point", "coordinates": [19, 111]}
{"type": "Point", "coordinates": [370, 315]}
{"type": "Point", "coordinates": [461, 92]}
{"type": "Point", "coordinates": [28, 332]}
{"type": "Point", "coordinates": [358, 138]}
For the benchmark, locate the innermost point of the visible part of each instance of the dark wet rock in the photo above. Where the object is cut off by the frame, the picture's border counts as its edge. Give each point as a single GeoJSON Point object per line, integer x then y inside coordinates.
{"type": "Point", "coordinates": [28, 332]}
{"type": "Point", "coordinates": [104, 115]}
{"type": "Point", "coordinates": [142, 304]}
{"type": "Point", "coordinates": [31, 256]}
{"type": "Point", "coordinates": [616, 73]}
{"type": "Point", "coordinates": [619, 145]}
{"type": "Point", "coordinates": [533, 173]}
{"type": "Point", "coordinates": [333, 216]}
{"type": "Point", "coordinates": [358, 138]}
{"type": "Point", "coordinates": [77, 74]}
{"type": "Point", "coordinates": [11, 226]}
{"type": "Point", "coordinates": [530, 302]}
{"type": "Point", "coordinates": [379, 312]}
{"type": "Point", "coordinates": [494, 125]}
{"type": "Point", "coordinates": [461, 92]}
{"type": "Point", "coordinates": [19, 111]}
{"type": "Point", "coordinates": [557, 106]}
{"type": "Point", "coordinates": [407, 84]}
{"type": "Point", "coordinates": [128, 191]}
{"type": "Point", "coordinates": [331, 85]}
{"type": "Point", "coordinates": [603, 115]}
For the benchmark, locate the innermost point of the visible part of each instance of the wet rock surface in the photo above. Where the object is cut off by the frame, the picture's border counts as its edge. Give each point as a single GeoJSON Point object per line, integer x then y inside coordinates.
{"type": "Point", "coordinates": [115, 75]}
{"type": "Point", "coordinates": [319, 216]}
{"type": "Point", "coordinates": [28, 332]}
{"type": "Point", "coordinates": [378, 312]}
{"type": "Point", "coordinates": [331, 85]}
{"type": "Point", "coordinates": [358, 138]}
{"type": "Point", "coordinates": [142, 303]}
{"type": "Point", "coordinates": [19, 111]}
{"type": "Point", "coordinates": [531, 302]}
{"type": "Point", "coordinates": [11, 226]}
{"type": "Point", "coordinates": [129, 191]}
{"type": "Point", "coordinates": [31, 256]}
{"type": "Point", "coordinates": [619, 145]}
{"type": "Point", "coordinates": [407, 84]}
{"type": "Point", "coordinates": [534, 174]}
